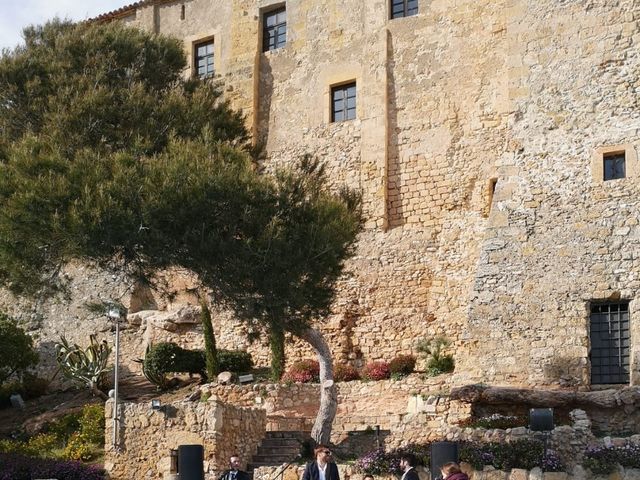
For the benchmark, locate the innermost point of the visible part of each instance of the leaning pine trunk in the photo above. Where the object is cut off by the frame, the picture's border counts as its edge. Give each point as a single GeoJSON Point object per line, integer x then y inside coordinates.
{"type": "Point", "coordinates": [321, 431]}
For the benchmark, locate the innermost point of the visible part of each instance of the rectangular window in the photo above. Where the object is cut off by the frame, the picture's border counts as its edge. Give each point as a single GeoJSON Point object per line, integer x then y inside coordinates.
{"type": "Point", "coordinates": [343, 102]}
{"type": "Point", "coordinates": [204, 59]}
{"type": "Point", "coordinates": [610, 343]}
{"type": "Point", "coordinates": [403, 8]}
{"type": "Point", "coordinates": [614, 165]}
{"type": "Point", "coordinates": [274, 29]}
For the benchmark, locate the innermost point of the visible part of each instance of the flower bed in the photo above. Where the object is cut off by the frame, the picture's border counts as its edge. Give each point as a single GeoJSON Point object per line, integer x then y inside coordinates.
{"type": "Point", "coordinates": [522, 454]}
{"type": "Point", "coordinates": [19, 467]}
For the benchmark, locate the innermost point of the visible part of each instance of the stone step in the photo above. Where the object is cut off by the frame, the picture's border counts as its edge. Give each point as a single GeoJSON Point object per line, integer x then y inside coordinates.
{"type": "Point", "coordinates": [271, 459]}
{"type": "Point", "coordinates": [278, 447]}
{"type": "Point", "coordinates": [282, 442]}
{"type": "Point", "coordinates": [286, 434]}
{"type": "Point", "coordinates": [278, 450]}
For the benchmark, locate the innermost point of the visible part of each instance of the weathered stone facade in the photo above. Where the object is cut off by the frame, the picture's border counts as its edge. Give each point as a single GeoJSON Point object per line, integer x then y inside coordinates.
{"type": "Point", "coordinates": [477, 145]}
{"type": "Point", "coordinates": [411, 410]}
{"type": "Point", "coordinates": [146, 437]}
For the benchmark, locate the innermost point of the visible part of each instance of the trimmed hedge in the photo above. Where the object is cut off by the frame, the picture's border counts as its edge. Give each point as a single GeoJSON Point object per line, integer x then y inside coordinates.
{"type": "Point", "coordinates": [237, 361]}
{"type": "Point", "coordinates": [166, 357]}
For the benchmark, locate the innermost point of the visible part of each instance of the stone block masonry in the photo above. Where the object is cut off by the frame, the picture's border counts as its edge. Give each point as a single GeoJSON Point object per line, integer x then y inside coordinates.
{"type": "Point", "coordinates": [475, 146]}
{"type": "Point", "coordinates": [146, 437]}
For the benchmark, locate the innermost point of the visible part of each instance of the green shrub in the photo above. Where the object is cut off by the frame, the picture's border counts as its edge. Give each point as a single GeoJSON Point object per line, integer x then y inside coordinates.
{"type": "Point", "coordinates": [402, 365]}
{"type": "Point", "coordinates": [166, 357]}
{"type": "Point", "coordinates": [41, 445]}
{"type": "Point", "coordinates": [170, 358]}
{"type": "Point", "coordinates": [75, 436]}
{"type": "Point", "coordinates": [6, 390]}
{"type": "Point", "coordinates": [237, 361]}
{"type": "Point", "coordinates": [77, 449]}
{"type": "Point", "coordinates": [92, 424]}
{"type": "Point", "coordinates": [29, 388]}
{"type": "Point", "coordinates": [16, 349]}
{"type": "Point", "coordinates": [63, 427]}
{"type": "Point", "coordinates": [437, 361]}
{"type": "Point", "coordinates": [33, 386]}
{"type": "Point", "coordinates": [345, 373]}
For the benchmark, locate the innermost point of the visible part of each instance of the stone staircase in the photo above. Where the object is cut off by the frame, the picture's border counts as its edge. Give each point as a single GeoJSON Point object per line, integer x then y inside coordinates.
{"type": "Point", "coordinates": [278, 447]}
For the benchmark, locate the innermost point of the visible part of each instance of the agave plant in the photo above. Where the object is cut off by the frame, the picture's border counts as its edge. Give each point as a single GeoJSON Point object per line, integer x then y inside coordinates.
{"type": "Point", "coordinates": [87, 366]}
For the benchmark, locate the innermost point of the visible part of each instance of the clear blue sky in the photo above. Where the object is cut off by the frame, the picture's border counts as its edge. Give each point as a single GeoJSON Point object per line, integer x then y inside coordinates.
{"type": "Point", "coordinates": [17, 14]}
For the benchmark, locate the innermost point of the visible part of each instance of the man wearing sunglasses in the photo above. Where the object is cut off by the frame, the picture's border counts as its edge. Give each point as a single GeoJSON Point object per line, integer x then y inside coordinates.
{"type": "Point", "coordinates": [323, 468]}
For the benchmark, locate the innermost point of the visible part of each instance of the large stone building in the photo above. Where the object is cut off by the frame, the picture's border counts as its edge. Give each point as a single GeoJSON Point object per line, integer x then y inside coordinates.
{"type": "Point", "coordinates": [495, 144]}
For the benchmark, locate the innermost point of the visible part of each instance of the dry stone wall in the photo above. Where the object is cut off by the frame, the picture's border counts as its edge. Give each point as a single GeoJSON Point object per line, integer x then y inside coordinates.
{"type": "Point", "coordinates": [475, 147]}
{"type": "Point", "coordinates": [349, 471]}
{"type": "Point", "coordinates": [410, 410]}
{"type": "Point", "coordinates": [146, 437]}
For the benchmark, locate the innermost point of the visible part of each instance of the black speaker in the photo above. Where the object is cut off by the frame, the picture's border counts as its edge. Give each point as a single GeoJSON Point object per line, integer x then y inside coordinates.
{"type": "Point", "coordinates": [541, 419]}
{"type": "Point", "coordinates": [441, 453]}
{"type": "Point", "coordinates": [190, 458]}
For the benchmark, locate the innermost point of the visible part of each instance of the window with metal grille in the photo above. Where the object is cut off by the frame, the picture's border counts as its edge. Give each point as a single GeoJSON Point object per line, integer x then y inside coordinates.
{"type": "Point", "coordinates": [274, 34]}
{"type": "Point", "coordinates": [403, 8]}
{"type": "Point", "coordinates": [610, 343]}
{"type": "Point", "coordinates": [343, 102]}
{"type": "Point", "coordinates": [204, 59]}
{"type": "Point", "coordinates": [614, 165]}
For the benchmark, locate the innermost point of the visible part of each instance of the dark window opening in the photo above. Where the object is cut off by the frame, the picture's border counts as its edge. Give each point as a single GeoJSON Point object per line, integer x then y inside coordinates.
{"type": "Point", "coordinates": [204, 59]}
{"type": "Point", "coordinates": [610, 343]}
{"type": "Point", "coordinates": [491, 192]}
{"type": "Point", "coordinates": [343, 102]}
{"type": "Point", "coordinates": [182, 12]}
{"type": "Point", "coordinates": [614, 165]}
{"type": "Point", "coordinates": [403, 8]}
{"type": "Point", "coordinates": [274, 30]}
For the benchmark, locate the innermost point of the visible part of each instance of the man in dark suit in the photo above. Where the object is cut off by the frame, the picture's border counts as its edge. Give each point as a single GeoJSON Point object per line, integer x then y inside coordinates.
{"type": "Point", "coordinates": [323, 467]}
{"type": "Point", "coordinates": [408, 464]}
{"type": "Point", "coordinates": [234, 472]}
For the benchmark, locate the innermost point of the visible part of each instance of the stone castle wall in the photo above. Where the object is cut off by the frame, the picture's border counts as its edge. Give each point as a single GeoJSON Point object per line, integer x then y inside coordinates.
{"type": "Point", "coordinates": [478, 128]}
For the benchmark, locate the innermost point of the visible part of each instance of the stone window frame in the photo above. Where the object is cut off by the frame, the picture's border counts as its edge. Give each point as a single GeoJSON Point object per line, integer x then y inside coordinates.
{"type": "Point", "coordinates": [343, 86]}
{"type": "Point", "coordinates": [632, 168]}
{"type": "Point", "coordinates": [405, 9]}
{"type": "Point", "coordinates": [274, 8]}
{"type": "Point", "coordinates": [196, 58]}
{"type": "Point", "coordinates": [190, 44]}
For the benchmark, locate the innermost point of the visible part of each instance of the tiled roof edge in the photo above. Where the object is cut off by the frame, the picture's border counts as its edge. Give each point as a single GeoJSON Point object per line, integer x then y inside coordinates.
{"type": "Point", "coordinates": [120, 12]}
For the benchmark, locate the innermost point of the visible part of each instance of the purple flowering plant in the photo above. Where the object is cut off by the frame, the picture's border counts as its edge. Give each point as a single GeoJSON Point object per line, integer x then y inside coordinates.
{"type": "Point", "coordinates": [19, 467]}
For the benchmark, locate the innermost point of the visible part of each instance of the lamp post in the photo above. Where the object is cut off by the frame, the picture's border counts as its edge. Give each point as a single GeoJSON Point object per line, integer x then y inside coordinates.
{"type": "Point", "coordinates": [114, 314]}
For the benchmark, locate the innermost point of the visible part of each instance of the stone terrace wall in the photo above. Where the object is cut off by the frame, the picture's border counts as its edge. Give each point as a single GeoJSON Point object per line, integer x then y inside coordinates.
{"type": "Point", "coordinates": [350, 472]}
{"type": "Point", "coordinates": [146, 436]}
{"type": "Point", "coordinates": [406, 411]}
